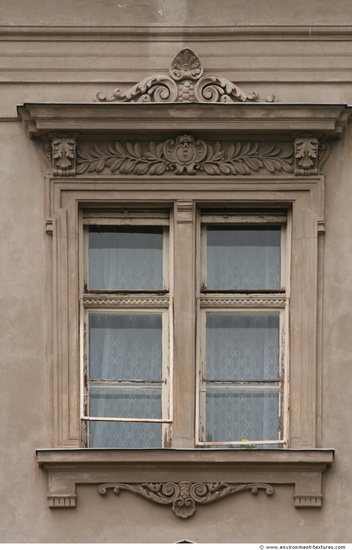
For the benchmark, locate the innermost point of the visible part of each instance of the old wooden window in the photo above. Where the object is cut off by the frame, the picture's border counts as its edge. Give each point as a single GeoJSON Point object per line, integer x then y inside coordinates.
{"type": "Point", "coordinates": [127, 340]}
{"type": "Point", "coordinates": [126, 362]}
{"type": "Point", "coordinates": [242, 316]}
{"type": "Point", "coordinates": [157, 165]}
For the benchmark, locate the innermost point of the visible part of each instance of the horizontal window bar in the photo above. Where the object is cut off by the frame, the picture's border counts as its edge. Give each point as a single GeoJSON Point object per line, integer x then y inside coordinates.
{"type": "Point", "coordinates": [241, 387]}
{"type": "Point", "coordinates": [117, 387]}
{"type": "Point", "coordinates": [140, 420]}
{"type": "Point", "coordinates": [125, 292]}
{"type": "Point", "coordinates": [246, 291]}
{"type": "Point", "coordinates": [126, 214]}
{"type": "Point", "coordinates": [239, 443]}
{"type": "Point", "coordinates": [239, 219]}
{"type": "Point", "coordinates": [268, 381]}
{"type": "Point", "coordinates": [126, 221]}
{"type": "Point", "coordinates": [113, 381]}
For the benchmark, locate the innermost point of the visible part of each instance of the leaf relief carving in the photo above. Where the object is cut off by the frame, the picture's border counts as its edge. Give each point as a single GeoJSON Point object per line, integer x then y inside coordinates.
{"type": "Point", "coordinates": [185, 155]}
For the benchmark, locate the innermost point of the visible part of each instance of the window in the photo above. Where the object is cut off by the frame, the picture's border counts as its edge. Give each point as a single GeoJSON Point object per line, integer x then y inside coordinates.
{"type": "Point", "coordinates": [158, 176]}
{"type": "Point", "coordinates": [242, 384]}
{"type": "Point", "coordinates": [127, 360]}
{"type": "Point", "coordinates": [127, 375]}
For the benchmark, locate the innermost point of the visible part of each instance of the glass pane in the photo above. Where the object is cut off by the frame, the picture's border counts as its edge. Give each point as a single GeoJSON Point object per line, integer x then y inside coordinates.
{"type": "Point", "coordinates": [243, 258]}
{"type": "Point", "coordinates": [236, 414]}
{"type": "Point", "coordinates": [125, 347]}
{"type": "Point", "coordinates": [125, 258]}
{"type": "Point", "coordinates": [138, 402]}
{"type": "Point", "coordinates": [130, 435]}
{"type": "Point", "coordinates": [242, 347]}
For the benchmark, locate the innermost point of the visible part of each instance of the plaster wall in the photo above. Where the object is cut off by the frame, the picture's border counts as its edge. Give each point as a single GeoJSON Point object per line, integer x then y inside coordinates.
{"type": "Point", "coordinates": [41, 62]}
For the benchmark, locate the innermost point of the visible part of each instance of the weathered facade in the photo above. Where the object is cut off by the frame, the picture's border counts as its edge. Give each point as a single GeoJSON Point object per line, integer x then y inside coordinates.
{"type": "Point", "coordinates": [139, 114]}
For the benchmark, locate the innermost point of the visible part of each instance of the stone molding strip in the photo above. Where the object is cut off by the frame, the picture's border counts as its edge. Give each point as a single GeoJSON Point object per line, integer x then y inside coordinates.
{"type": "Point", "coordinates": [170, 33]}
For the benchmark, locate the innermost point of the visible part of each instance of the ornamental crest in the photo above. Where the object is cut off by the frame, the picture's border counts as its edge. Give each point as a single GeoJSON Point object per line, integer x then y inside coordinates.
{"type": "Point", "coordinates": [185, 153]}
{"type": "Point", "coordinates": [185, 83]}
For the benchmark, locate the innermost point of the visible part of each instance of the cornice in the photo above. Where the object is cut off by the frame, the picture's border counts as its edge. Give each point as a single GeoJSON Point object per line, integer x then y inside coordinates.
{"type": "Point", "coordinates": [169, 33]}
{"type": "Point", "coordinates": [44, 119]}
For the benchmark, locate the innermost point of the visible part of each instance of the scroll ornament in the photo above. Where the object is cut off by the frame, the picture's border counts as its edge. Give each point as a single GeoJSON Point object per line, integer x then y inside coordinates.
{"type": "Point", "coordinates": [185, 155]}
{"type": "Point", "coordinates": [184, 84]}
{"type": "Point", "coordinates": [185, 495]}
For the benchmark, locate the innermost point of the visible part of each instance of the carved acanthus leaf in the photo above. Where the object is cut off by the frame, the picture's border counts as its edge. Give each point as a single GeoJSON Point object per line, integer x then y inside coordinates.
{"type": "Point", "coordinates": [60, 155]}
{"type": "Point", "coordinates": [185, 155]}
{"type": "Point", "coordinates": [183, 496]}
{"type": "Point", "coordinates": [64, 154]}
{"type": "Point", "coordinates": [310, 155]}
{"type": "Point", "coordinates": [185, 85]}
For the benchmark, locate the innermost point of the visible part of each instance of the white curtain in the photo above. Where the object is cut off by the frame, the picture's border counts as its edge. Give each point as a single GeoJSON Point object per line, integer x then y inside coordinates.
{"type": "Point", "coordinates": [125, 258]}
{"type": "Point", "coordinates": [243, 258]}
{"type": "Point", "coordinates": [242, 372]}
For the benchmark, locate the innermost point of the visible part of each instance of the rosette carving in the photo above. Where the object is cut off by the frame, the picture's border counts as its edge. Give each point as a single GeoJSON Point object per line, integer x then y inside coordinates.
{"type": "Point", "coordinates": [185, 495]}
{"type": "Point", "coordinates": [186, 84]}
{"type": "Point", "coordinates": [186, 155]}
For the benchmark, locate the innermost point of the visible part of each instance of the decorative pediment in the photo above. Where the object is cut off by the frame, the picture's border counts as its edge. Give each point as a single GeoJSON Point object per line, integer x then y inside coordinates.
{"type": "Point", "coordinates": [185, 83]}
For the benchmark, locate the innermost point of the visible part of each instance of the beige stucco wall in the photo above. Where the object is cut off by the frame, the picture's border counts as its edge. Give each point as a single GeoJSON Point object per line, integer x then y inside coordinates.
{"type": "Point", "coordinates": [34, 69]}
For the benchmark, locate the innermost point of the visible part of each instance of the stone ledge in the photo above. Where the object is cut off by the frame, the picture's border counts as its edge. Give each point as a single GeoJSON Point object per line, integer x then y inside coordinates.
{"type": "Point", "coordinates": [159, 474]}
{"type": "Point", "coordinates": [42, 119]}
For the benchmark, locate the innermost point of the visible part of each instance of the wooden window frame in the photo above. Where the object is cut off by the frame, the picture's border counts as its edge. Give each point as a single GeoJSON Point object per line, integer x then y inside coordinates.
{"type": "Point", "coordinates": [226, 303]}
{"type": "Point", "coordinates": [145, 302]}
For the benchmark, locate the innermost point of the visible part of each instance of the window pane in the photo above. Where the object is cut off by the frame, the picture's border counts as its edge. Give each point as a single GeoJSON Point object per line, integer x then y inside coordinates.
{"type": "Point", "coordinates": [125, 347]}
{"type": "Point", "coordinates": [236, 414]}
{"type": "Point", "coordinates": [125, 258]}
{"type": "Point", "coordinates": [243, 258]}
{"type": "Point", "coordinates": [131, 435]}
{"type": "Point", "coordinates": [138, 402]}
{"type": "Point", "coordinates": [242, 347]}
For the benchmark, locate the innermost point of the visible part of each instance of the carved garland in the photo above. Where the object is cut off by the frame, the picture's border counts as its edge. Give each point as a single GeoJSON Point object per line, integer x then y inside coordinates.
{"type": "Point", "coordinates": [185, 155]}
{"type": "Point", "coordinates": [184, 84]}
{"type": "Point", "coordinates": [184, 496]}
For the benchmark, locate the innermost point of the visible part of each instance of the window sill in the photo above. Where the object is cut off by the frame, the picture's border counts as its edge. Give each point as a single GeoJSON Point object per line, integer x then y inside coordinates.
{"type": "Point", "coordinates": [159, 474]}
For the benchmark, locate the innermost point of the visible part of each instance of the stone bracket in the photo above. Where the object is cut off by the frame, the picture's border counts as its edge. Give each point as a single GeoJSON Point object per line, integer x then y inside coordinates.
{"type": "Point", "coordinates": [158, 475]}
